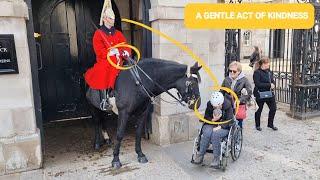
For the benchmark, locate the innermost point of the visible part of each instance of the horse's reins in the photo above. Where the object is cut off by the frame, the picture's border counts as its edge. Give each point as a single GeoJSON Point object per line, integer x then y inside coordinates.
{"type": "Point", "coordinates": [135, 67]}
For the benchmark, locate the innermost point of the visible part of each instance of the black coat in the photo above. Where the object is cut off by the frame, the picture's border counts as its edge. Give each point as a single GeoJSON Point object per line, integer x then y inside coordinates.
{"type": "Point", "coordinates": [255, 56]}
{"type": "Point", "coordinates": [227, 112]}
{"type": "Point", "coordinates": [262, 80]}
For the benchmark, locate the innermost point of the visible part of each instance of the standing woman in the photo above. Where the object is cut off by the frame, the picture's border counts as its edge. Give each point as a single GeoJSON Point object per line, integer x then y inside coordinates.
{"type": "Point", "coordinates": [238, 82]}
{"type": "Point", "coordinates": [263, 91]}
{"type": "Point", "coordinates": [255, 56]}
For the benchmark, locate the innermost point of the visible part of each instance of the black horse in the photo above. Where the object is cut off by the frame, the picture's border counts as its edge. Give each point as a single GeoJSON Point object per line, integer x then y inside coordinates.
{"type": "Point", "coordinates": [133, 102]}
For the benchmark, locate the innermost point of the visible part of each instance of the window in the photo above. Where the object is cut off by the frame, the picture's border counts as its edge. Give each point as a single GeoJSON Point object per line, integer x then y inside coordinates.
{"type": "Point", "coordinates": [247, 38]}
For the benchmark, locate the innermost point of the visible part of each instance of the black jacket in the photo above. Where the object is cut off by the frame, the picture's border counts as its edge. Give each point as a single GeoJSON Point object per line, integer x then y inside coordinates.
{"type": "Point", "coordinates": [241, 83]}
{"type": "Point", "coordinates": [255, 56]}
{"type": "Point", "coordinates": [227, 113]}
{"type": "Point", "coordinates": [262, 80]}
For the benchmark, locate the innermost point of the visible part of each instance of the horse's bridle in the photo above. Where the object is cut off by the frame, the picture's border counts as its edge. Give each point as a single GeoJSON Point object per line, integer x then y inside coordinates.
{"type": "Point", "coordinates": [187, 95]}
{"type": "Point", "coordinates": [149, 93]}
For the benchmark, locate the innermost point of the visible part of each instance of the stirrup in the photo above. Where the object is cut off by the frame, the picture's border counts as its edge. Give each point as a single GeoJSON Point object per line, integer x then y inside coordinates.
{"type": "Point", "coordinates": [105, 105]}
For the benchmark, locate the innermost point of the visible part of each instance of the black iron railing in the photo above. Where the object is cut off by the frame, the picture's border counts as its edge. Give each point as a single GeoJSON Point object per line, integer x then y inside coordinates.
{"type": "Point", "coordinates": [305, 100]}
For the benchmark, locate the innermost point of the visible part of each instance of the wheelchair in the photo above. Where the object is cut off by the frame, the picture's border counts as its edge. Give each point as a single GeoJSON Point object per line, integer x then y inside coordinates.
{"type": "Point", "coordinates": [230, 145]}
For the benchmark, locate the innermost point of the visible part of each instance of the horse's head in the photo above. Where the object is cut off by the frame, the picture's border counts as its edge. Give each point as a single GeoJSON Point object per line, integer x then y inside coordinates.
{"type": "Point", "coordinates": [188, 87]}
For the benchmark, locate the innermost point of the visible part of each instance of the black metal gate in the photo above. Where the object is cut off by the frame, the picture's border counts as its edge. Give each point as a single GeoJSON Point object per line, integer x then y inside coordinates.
{"type": "Point", "coordinates": [232, 47]}
{"type": "Point", "coordinates": [280, 50]}
{"type": "Point", "coordinates": [232, 43]}
{"type": "Point", "coordinates": [295, 61]}
{"type": "Point", "coordinates": [305, 100]}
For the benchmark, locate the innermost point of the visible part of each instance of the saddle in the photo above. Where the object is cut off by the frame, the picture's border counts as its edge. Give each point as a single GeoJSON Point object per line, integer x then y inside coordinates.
{"type": "Point", "coordinates": [100, 98]}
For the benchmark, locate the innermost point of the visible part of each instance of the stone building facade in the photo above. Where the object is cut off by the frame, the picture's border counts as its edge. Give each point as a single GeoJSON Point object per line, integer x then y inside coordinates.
{"type": "Point", "coordinates": [173, 123]}
{"type": "Point", "coordinates": [20, 122]}
{"type": "Point", "coordinates": [263, 37]}
{"type": "Point", "coordinates": [20, 144]}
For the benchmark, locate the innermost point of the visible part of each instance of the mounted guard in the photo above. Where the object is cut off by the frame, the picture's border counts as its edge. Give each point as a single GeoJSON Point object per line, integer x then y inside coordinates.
{"type": "Point", "coordinates": [102, 76]}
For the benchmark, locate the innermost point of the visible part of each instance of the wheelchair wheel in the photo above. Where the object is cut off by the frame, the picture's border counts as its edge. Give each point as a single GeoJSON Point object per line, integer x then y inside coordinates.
{"type": "Point", "coordinates": [236, 143]}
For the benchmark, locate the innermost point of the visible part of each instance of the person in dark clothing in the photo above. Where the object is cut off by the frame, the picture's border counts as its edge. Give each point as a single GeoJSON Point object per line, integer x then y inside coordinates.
{"type": "Point", "coordinates": [255, 56]}
{"type": "Point", "coordinates": [263, 80]}
{"type": "Point", "coordinates": [238, 82]}
{"type": "Point", "coordinates": [219, 108]}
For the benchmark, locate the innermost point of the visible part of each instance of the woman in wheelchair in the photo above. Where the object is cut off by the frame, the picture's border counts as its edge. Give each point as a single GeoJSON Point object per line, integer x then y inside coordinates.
{"type": "Point", "coordinates": [219, 109]}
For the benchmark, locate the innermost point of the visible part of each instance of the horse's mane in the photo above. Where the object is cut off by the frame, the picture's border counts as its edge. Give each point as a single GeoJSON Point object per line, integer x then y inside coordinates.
{"type": "Point", "coordinates": [155, 61]}
{"type": "Point", "coordinates": [154, 64]}
{"type": "Point", "coordinates": [155, 67]}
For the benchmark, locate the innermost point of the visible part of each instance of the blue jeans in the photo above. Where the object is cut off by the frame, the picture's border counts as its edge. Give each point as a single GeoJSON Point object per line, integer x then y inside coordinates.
{"type": "Point", "coordinates": [213, 137]}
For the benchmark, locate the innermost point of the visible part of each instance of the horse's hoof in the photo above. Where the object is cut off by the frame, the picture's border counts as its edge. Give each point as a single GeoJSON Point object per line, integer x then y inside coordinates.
{"type": "Point", "coordinates": [108, 142]}
{"type": "Point", "coordinates": [116, 165]}
{"type": "Point", "coordinates": [142, 159]}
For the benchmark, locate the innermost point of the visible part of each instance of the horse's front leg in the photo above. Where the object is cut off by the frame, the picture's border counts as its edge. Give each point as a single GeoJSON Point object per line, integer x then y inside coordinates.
{"type": "Point", "coordinates": [141, 157]}
{"type": "Point", "coordinates": [122, 123]}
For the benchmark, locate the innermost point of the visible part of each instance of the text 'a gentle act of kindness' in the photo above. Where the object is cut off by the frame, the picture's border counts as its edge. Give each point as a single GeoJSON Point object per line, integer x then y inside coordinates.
{"type": "Point", "coordinates": [251, 15]}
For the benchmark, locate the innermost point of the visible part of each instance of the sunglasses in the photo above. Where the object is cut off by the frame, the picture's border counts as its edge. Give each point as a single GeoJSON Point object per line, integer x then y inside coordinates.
{"type": "Point", "coordinates": [232, 71]}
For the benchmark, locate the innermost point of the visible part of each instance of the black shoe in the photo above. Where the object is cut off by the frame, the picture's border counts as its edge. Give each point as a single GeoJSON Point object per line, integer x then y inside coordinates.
{"type": "Point", "coordinates": [273, 127]}
{"type": "Point", "coordinates": [259, 128]}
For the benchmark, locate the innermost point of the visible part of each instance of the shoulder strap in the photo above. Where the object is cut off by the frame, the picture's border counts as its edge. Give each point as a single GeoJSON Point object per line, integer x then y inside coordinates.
{"type": "Point", "coordinates": [102, 34]}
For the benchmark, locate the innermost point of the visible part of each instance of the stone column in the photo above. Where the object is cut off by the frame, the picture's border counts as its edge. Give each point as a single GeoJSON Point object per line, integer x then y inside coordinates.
{"type": "Point", "coordinates": [172, 123]}
{"type": "Point", "coordinates": [20, 148]}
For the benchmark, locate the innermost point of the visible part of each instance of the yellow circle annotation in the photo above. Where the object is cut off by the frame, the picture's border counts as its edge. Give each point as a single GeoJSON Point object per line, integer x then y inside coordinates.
{"type": "Point", "coordinates": [123, 45]}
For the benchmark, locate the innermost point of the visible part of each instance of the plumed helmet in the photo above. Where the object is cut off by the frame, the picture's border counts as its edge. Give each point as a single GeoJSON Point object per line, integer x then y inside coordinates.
{"type": "Point", "coordinates": [109, 13]}
{"type": "Point", "coordinates": [216, 98]}
{"type": "Point", "coordinates": [106, 11]}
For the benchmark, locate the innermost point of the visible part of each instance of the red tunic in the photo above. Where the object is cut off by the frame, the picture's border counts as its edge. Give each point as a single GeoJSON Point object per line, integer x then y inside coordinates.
{"type": "Point", "coordinates": [103, 75]}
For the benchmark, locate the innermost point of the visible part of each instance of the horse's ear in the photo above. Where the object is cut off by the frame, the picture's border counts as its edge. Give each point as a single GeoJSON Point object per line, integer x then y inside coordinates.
{"type": "Point", "coordinates": [196, 65]}
{"type": "Point", "coordinates": [195, 68]}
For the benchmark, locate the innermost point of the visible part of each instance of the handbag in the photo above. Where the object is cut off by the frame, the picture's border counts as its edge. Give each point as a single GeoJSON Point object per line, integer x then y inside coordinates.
{"type": "Point", "coordinates": [242, 112]}
{"type": "Point", "coordinates": [266, 94]}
